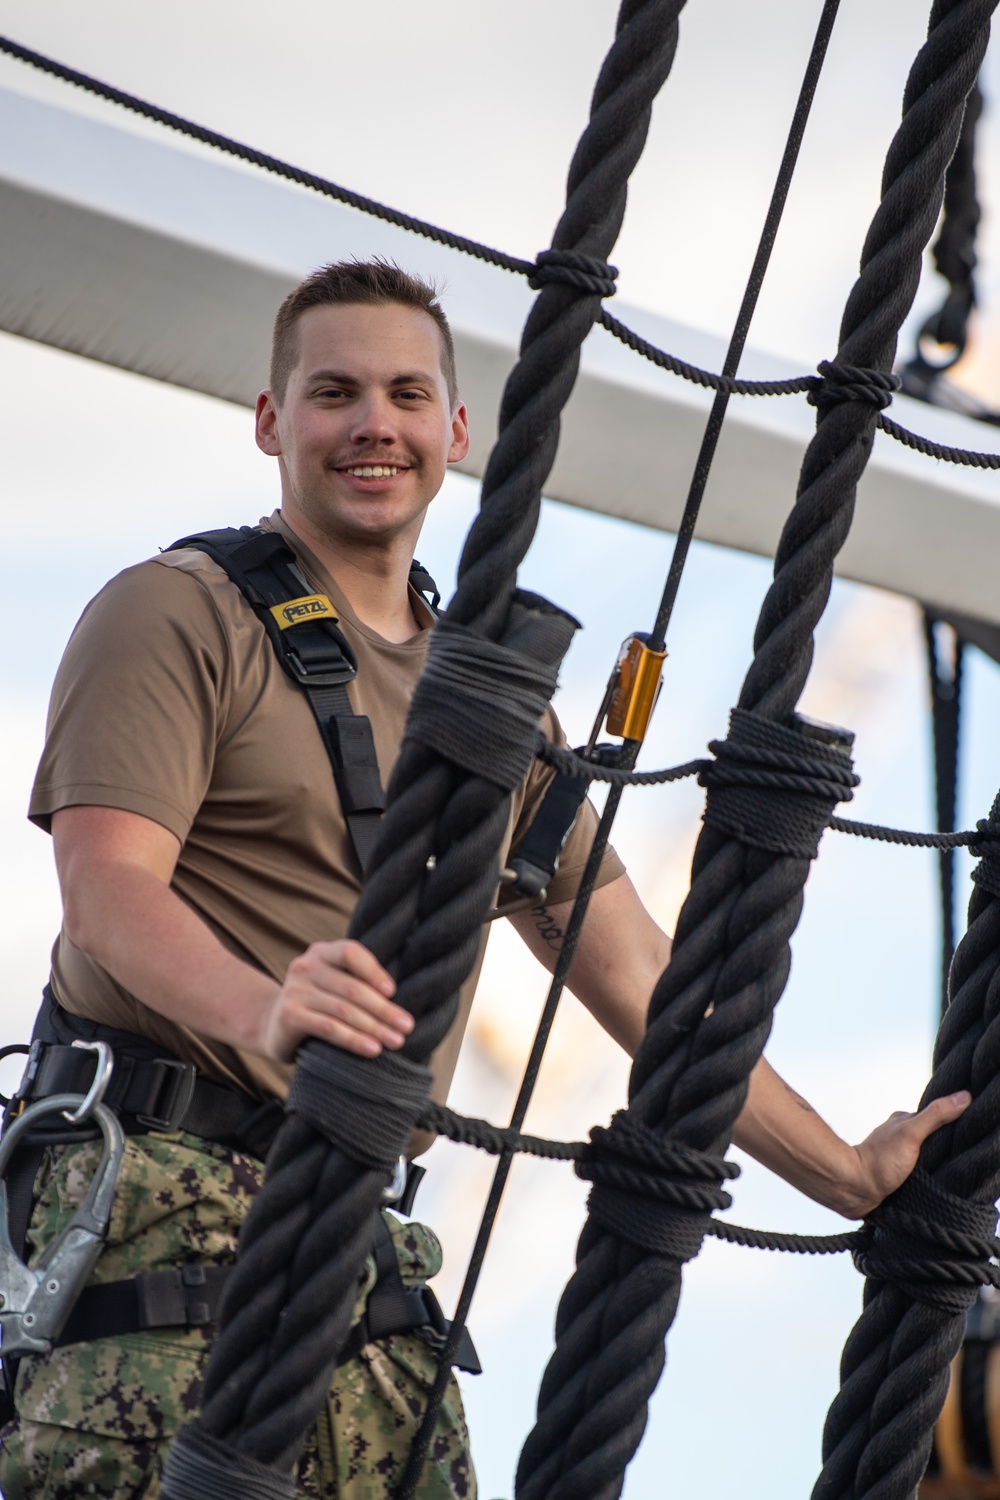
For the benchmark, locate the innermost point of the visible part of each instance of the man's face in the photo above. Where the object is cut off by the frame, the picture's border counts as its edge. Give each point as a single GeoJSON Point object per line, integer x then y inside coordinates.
{"type": "Point", "coordinates": [365, 430]}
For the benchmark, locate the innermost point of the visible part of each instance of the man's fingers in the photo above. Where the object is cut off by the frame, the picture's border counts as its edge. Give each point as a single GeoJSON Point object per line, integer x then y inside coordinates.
{"type": "Point", "coordinates": [347, 974]}
{"type": "Point", "coordinates": [355, 958]}
{"type": "Point", "coordinates": [940, 1112]}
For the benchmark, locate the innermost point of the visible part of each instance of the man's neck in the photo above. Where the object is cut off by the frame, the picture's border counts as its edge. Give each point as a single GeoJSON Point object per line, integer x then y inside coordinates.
{"type": "Point", "coordinates": [373, 579]}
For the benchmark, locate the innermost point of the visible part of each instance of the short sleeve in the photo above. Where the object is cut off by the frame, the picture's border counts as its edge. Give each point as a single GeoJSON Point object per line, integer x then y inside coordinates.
{"type": "Point", "coordinates": [139, 701]}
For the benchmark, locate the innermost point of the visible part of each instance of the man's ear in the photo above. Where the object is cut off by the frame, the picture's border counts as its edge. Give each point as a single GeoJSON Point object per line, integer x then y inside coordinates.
{"type": "Point", "coordinates": [459, 434]}
{"type": "Point", "coordinates": [266, 425]}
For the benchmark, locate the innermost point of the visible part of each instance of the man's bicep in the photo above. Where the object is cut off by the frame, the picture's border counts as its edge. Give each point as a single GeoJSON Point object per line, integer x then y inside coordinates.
{"type": "Point", "coordinates": [85, 838]}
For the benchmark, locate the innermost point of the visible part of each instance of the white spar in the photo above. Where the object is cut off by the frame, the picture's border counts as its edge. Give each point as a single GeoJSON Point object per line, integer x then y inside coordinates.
{"type": "Point", "coordinates": [166, 262]}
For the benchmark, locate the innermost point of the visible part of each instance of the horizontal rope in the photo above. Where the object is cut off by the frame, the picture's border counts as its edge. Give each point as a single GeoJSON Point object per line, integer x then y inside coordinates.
{"type": "Point", "coordinates": [966, 456]}
{"type": "Point", "coordinates": [571, 763]}
{"type": "Point", "coordinates": [903, 836]}
{"type": "Point", "coordinates": [466, 1130]}
{"type": "Point", "coordinates": [793, 386]}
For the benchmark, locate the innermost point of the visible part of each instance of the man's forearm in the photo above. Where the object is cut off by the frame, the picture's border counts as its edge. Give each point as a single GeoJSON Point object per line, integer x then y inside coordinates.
{"type": "Point", "coordinates": [780, 1129]}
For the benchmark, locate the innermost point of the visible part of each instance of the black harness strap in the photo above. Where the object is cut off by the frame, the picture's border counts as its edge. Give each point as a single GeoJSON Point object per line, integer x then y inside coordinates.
{"type": "Point", "coordinates": [303, 629]}
{"type": "Point", "coordinates": [189, 1297]}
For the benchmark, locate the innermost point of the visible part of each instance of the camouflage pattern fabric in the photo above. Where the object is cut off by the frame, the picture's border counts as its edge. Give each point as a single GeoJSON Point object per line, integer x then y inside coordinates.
{"type": "Point", "coordinates": [98, 1418]}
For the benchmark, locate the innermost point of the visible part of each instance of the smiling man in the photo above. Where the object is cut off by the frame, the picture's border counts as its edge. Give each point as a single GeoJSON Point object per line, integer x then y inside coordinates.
{"type": "Point", "coordinates": [210, 859]}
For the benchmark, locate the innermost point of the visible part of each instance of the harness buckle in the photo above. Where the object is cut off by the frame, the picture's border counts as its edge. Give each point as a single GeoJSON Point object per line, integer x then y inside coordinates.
{"type": "Point", "coordinates": [320, 663]}
{"type": "Point", "coordinates": [174, 1086]}
{"type": "Point", "coordinates": [35, 1302]}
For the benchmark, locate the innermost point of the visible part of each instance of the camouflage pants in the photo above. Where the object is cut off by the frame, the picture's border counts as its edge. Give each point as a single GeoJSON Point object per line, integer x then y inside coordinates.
{"type": "Point", "coordinates": [98, 1418]}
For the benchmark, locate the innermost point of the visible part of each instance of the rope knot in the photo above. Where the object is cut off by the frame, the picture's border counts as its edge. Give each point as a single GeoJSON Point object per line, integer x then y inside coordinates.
{"type": "Point", "coordinates": [655, 1193]}
{"type": "Point", "coordinates": [775, 786]}
{"type": "Point", "coordinates": [937, 1248]}
{"type": "Point", "coordinates": [852, 383]}
{"type": "Point", "coordinates": [571, 268]}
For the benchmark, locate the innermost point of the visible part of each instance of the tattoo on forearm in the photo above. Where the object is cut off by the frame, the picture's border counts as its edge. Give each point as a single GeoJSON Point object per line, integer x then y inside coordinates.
{"type": "Point", "coordinates": [802, 1103]}
{"type": "Point", "coordinates": [550, 934]}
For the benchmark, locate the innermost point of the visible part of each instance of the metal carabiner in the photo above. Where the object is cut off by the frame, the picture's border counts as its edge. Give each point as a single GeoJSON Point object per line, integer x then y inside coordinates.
{"type": "Point", "coordinates": [395, 1189]}
{"type": "Point", "coordinates": [99, 1087]}
{"type": "Point", "coordinates": [35, 1301]}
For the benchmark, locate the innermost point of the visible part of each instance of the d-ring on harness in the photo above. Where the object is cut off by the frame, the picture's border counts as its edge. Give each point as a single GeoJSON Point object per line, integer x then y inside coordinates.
{"type": "Point", "coordinates": [36, 1301]}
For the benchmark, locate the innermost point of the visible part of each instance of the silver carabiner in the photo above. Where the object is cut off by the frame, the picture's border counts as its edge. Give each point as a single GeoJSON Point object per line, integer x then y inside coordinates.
{"type": "Point", "coordinates": [36, 1301]}
{"type": "Point", "coordinates": [397, 1186]}
{"type": "Point", "coordinates": [99, 1087]}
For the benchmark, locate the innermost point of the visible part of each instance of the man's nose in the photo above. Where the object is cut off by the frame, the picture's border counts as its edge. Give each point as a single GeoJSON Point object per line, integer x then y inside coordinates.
{"type": "Point", "coordinates": [375, 420]}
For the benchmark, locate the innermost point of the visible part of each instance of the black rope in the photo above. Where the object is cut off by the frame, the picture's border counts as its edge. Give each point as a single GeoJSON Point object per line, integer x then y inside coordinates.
{"type": "Point", "coordinates": [877, 1438]}
{"type": "Point", "coordinates": [573, 763]}
{"type": "Point", "coordinates": [795, 385]}
{"type": "Point", "coordinates": [737, 343]}
{"type": "Point", "coordinates": [725, 384]}
{"type": "Point", "coordinates": [710, 1013]}
{"type": "Point", "coordinates": [466, 1130]}
{"type": "Point", "coordinates": [947, 454]}
{"type": "Point", "coordinates": [944, 670]}
{"type": "Point", "coordinates": [435, 864]}
{"type": "Point", "coordinates": [964, 840]}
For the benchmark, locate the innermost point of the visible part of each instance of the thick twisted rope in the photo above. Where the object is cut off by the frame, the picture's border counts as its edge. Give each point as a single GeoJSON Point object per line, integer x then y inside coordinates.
{"type": "Point", "coordinates": [894, 1373]}
{"type": "Point", "coordinates": [289, 1300]}
{"type": "Point", "coordinates": [710, 1012]}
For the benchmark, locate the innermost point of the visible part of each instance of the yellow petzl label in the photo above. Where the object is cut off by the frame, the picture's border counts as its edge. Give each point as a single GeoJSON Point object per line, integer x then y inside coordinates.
{"type": "Point", "coordinates": [309, 607]}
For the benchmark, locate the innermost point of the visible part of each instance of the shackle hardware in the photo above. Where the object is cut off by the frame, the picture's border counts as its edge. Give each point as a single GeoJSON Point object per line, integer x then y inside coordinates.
{"type": "Point", "coordinates": [634, 687]}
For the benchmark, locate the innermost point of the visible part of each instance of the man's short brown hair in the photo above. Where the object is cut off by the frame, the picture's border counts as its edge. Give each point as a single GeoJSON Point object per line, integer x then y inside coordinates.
{"type": "Point", "coordinates": [346, 283]}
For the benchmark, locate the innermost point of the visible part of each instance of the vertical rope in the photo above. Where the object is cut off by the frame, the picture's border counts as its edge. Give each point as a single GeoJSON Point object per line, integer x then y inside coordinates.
{"type": "Point", "coordinates": [710, 1013]}
{"type": "Point", "coordinates": [945, 651]}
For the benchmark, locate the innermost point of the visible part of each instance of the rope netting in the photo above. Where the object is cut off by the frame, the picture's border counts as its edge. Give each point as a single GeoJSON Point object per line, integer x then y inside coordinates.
{"type": "Point", "coordinates": [658, 1169]}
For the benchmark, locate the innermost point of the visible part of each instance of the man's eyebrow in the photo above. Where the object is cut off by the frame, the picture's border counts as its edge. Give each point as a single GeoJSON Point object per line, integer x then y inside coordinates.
{"type": "Point", "coordinates": [339, 377]}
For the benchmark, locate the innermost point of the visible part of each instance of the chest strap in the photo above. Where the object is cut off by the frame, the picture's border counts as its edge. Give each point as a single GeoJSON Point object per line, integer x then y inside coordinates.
{"type": "Point", "coordinates": [304, 632]}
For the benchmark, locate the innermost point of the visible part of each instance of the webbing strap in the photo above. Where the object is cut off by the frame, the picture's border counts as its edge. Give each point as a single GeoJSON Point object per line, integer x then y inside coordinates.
{"type": "Point", "coordinates": [317, 656]}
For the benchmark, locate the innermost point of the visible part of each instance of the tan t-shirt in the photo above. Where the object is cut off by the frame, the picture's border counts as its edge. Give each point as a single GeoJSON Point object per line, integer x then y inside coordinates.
{"type": "Point", "coordinates": [171, 703]}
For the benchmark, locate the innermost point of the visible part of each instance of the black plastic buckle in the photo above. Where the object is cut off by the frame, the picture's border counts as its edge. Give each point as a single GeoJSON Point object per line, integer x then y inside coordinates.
{"type": "Point", "coordinates": [174, 1087]}
{"type": "Point", "coordinates": [335, 672]}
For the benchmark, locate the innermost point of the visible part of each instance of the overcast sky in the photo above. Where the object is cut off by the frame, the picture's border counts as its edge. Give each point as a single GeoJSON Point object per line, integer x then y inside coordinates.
{"type": "Point", "coordinates": [467, 115]}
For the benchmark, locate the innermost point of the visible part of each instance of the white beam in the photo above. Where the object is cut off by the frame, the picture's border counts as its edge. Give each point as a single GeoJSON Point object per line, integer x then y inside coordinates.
{"type": "Point", "coordinates": [169, 263]}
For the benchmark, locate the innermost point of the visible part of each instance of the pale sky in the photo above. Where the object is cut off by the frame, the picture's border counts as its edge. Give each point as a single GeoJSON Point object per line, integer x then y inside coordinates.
{"type": "Point", "coordinates": [467, 115]}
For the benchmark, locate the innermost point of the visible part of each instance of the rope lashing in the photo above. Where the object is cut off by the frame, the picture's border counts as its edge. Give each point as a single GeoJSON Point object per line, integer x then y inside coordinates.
{"type": "Point", "coordinates": [937, 1248]}
{"type": "Point", "coordinates": [364, 1105]}
{"type": "Point", "coordinates": [987, 847]}
{"type": "Point", "coordinates": [654, 1193]}
{"type": "Point", "coordinates": [584, 272]}
{"type": "Point", "coordinates": [478, 702]}
{"type": "Point", "coordinates": [201, 1468]}
{"type": "Point", "coordinates": [850, 383]}
{"type": "Point", "coordinates": [774, 787]}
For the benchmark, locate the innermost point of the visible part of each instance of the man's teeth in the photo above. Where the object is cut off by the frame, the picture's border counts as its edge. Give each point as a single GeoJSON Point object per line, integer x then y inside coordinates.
{"type": "Point", "coordinates": [373, 471]}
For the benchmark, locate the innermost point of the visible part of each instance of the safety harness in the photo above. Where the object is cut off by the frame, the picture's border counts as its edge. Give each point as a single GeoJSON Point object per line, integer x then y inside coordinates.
{"type": "Point", "coordinates": [147, 1088]}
